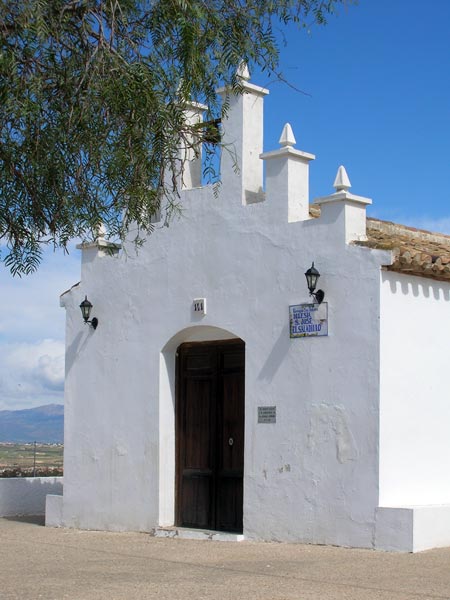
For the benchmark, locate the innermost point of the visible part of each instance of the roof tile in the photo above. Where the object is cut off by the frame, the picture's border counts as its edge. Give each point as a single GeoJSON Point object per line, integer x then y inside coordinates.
{"type": "Point", "coordinates": [414, 251]}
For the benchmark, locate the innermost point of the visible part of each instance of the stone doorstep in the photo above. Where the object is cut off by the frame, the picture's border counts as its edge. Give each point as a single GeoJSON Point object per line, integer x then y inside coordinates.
{"type": "Point", "coordinates": [196, 534]}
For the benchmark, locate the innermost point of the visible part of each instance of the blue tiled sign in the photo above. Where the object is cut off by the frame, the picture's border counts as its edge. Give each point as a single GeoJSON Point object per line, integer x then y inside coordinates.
{"type": "Point", "coordinates": [307, 320]}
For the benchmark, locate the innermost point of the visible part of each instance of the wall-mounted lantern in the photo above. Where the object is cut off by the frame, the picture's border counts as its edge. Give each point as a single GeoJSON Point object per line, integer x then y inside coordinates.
{"type": "Point", "coordinates": [312, 276]}
{"type": "Point", "coordinates": [86, 308]}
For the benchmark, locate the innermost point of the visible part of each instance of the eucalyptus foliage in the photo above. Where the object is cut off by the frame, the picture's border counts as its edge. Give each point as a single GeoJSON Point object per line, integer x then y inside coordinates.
{"type": "Point", "coordinates": [92, 99]}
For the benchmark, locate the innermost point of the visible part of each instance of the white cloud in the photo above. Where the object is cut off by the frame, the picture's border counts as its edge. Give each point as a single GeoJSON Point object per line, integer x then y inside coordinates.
{"type": "Point", "coordinates": [31, 374]}
{"type": "Point", "coordinates": [29, 306]}
{"type": "Point", "coordinates": [50, 371]}
{"type": "Point", "coordinates": [32, 330]}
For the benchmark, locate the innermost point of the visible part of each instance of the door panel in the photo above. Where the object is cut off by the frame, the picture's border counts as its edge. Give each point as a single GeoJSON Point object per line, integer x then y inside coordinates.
{"type": "Point", "coordinates": [197, 424]}
{"type": "Point", "coordinates": [210, 435]}
{"type": "Point", "coordinates": [232, 422]}
{"type": "Point", "coordinates": [196, 510]}
{"type": "Point", "coordinates": [229, 504]}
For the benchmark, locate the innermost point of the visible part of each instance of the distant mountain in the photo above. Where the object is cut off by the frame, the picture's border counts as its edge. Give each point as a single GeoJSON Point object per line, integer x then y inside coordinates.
{"type": "Point", "coordinates": [41, 424]}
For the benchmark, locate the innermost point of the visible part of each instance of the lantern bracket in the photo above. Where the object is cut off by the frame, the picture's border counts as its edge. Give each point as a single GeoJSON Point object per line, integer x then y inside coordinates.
{"type": "Point", "coordinates": [312, 277]}
{"type": "Point", "coordinates": [86, 308]}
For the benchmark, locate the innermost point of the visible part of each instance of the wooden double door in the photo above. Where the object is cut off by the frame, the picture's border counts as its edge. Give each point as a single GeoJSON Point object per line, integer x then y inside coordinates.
{"type": "Point", "coordinates": [210, 435]}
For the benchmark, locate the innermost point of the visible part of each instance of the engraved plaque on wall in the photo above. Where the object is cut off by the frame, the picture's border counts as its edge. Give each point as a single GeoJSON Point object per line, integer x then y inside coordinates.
{"type": "Point", "coordinates": [267, 414]}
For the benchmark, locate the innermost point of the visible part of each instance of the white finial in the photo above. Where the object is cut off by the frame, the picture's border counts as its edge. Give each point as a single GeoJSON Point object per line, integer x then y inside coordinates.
{"type": "Point", "coordinates": [342, 182]}
{"type": "Point", "coordinates": [101, 231]}
{"type": "Point", "coordinates": [242, 71]}
{"type": "Point", "coordinates": [287, 136]}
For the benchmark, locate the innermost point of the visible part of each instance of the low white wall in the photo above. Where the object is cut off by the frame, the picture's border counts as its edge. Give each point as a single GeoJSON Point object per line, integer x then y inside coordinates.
{"type": "Point", "coordinates": [53, 511]}
{"type": "Point", "coordinates": [26, 495]}
{"type": "Point", "coordinates": [412, 528]}
{"type": "Point", "coordinates": [415, 396]}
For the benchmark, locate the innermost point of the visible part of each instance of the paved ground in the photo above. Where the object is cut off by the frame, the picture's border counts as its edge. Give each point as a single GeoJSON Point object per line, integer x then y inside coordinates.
{"type": "Point", "coordinates": [55, 564]}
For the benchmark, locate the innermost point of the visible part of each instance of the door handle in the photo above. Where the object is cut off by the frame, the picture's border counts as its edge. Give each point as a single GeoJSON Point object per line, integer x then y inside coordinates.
{"type": "Point", "coordinates": [230, 441]}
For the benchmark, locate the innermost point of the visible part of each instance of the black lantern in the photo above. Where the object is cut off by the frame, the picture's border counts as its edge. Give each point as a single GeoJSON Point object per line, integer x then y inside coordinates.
{"type": "Point", "coordinates": [86, 308]}
{"type": "Point", "coordinates": [312, 277]}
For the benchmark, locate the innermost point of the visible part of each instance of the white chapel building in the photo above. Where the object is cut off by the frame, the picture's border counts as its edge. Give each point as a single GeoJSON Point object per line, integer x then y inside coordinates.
{"type": "Point", "coordinates": [217, 397]}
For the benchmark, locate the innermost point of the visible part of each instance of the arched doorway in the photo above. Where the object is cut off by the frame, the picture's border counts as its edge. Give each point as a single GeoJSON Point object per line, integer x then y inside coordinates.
{"type": "Point", "coordinates": [209, 432]}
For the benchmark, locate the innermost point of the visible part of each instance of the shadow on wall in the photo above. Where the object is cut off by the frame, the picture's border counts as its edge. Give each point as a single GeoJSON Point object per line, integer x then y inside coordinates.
{"type": "Point", "coordinates": [31, 519]}
{"type": "Point", "coordinates": [25, 496]}
{"type": "Point", "coordinates": [74, 349]}
{"type": "Point", "coordinates": [419, 287]}
{"type": "Point", "coordinates": [276, 356]}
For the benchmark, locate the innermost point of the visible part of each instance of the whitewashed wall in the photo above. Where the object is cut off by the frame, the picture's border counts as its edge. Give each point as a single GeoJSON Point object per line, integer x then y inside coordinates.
{"type": "Point", "coordinates": [312, 476]}
{"type": "Point", "coordinates": [26, 495]}
{"type": "Point", "coordinates": [415, 395]}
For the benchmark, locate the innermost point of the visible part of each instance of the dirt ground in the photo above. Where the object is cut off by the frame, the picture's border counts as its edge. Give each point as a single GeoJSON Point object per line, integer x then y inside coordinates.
{"type": "Point", "coordinates": [56, 564]}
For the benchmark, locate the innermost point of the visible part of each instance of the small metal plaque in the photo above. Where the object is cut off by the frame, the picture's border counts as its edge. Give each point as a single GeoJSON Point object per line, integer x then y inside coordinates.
{"type": "Point", "coordinates": [267, 414]}
{"type": "Point", "coordinates": [308, 320]}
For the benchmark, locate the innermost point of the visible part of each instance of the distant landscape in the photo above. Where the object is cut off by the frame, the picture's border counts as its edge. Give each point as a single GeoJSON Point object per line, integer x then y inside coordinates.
{"type": "Point", "coordinates": [31, 460]}
{"type": "Point", "coordinates": [31, 441]}
{"type": "Point", "coordinates": [44, 424]}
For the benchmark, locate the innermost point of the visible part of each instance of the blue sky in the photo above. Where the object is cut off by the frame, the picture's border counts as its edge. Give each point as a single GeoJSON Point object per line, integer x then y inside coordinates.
{"type": "Point", "coordinates": [377, 100]}
{"type": "Point", "coordinates": [378, 76]}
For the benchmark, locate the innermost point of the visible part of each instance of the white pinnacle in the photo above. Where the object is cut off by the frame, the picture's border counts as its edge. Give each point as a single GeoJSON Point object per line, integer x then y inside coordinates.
{"type": "Point", "coordinates": [287, 136]}
{"type": "Point", "coordinates": [242, 71]}
{"type": "Point", "coordinates": [101, 231]}
{"type": "Point", "coordinates": [342, 182]}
